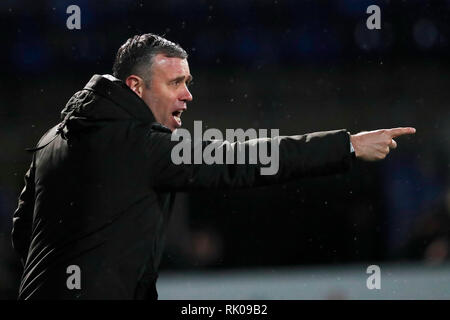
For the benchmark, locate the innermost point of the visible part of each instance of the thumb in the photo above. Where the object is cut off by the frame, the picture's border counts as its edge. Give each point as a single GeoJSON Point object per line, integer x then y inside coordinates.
{"type": "Point", "coordinates": [393, 144]}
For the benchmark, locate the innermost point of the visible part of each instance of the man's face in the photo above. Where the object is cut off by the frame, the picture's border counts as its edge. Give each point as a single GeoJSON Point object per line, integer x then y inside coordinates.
{"type": "Point", "coordinates": [168, 91]}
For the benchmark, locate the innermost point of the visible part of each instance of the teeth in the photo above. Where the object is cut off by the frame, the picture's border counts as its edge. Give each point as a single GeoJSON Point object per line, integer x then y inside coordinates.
{"type": "Point", "coordinates": [177, 116]}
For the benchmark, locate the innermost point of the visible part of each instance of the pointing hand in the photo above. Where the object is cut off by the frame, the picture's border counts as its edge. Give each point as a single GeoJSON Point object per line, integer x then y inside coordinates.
{"type": "Point", "coordinates": [375, 145]}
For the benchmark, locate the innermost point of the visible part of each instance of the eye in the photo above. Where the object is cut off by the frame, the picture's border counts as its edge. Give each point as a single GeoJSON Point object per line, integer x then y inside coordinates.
{"type": "Point", "coordinates": [176, 83]}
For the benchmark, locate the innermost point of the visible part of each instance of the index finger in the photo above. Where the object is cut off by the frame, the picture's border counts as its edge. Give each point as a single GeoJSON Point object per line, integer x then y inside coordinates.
{"type": "Point", "coordinates": [395, 132]}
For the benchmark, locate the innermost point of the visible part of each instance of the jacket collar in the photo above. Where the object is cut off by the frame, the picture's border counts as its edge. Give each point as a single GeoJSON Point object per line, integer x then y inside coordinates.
{"type": "Point", "coordinates": [117, 91]}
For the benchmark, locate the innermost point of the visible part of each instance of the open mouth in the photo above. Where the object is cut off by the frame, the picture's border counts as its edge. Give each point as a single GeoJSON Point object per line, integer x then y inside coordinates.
{"type": "Point", "coordinates": [177, 116]}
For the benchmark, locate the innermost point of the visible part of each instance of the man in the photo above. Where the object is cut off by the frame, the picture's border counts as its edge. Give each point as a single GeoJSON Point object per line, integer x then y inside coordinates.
{"type": "Point", "coordinates": [91, 220]}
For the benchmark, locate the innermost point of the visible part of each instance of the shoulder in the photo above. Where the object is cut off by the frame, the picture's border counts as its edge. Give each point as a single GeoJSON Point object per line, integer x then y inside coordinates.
{"type": "Point", "coordinates": [48, 137]}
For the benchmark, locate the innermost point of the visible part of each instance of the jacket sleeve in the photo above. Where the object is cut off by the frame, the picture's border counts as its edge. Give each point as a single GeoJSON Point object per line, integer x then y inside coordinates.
{"type": "Point", "coordinates": [23, 216]}
{"type": "Point", "coordinates": [308, 155]}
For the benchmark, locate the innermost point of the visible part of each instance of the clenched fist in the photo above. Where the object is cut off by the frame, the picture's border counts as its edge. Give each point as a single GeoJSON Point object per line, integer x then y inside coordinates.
{"type": "Point", "coordinates": [375, 145]}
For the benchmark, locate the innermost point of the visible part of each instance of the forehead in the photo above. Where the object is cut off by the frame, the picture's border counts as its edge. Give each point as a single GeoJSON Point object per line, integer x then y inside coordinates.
{"type": "Point", "coordinates": [170, 67]}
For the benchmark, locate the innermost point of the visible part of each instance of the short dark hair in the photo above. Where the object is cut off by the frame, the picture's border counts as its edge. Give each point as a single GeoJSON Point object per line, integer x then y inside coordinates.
{"type": "Point", "coordinates": [135, 56]}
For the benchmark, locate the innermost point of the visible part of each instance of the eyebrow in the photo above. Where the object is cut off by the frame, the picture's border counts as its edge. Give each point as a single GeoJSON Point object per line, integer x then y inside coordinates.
{"type": "Point", "coordinates": [180, 78]}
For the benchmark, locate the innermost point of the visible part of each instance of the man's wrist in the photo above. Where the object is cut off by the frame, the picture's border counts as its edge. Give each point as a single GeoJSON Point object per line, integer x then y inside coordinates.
{"type": "Point", "coordinates": [352, 150]}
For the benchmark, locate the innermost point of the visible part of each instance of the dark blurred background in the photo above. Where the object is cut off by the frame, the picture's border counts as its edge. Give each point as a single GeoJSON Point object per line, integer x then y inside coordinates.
{"type": "Point", "coordinates": [298, 66]}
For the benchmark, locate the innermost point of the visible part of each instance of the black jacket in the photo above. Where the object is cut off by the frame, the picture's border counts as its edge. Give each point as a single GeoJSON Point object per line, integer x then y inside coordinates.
{"type": "Point", "coordinates": [100, 187]}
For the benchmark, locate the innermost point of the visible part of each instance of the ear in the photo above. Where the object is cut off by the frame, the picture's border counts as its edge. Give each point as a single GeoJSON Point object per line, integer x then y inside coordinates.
{"type": "Point", "coordinates": [136, 84]}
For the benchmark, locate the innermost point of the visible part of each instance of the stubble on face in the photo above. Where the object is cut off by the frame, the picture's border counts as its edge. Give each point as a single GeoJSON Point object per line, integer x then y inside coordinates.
{"type": "Point", "coordinates": [167, 92]}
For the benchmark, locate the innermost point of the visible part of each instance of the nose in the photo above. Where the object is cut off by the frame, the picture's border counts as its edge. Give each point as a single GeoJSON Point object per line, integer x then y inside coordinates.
{"type": "Point", "coordinates": [186, 95]}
